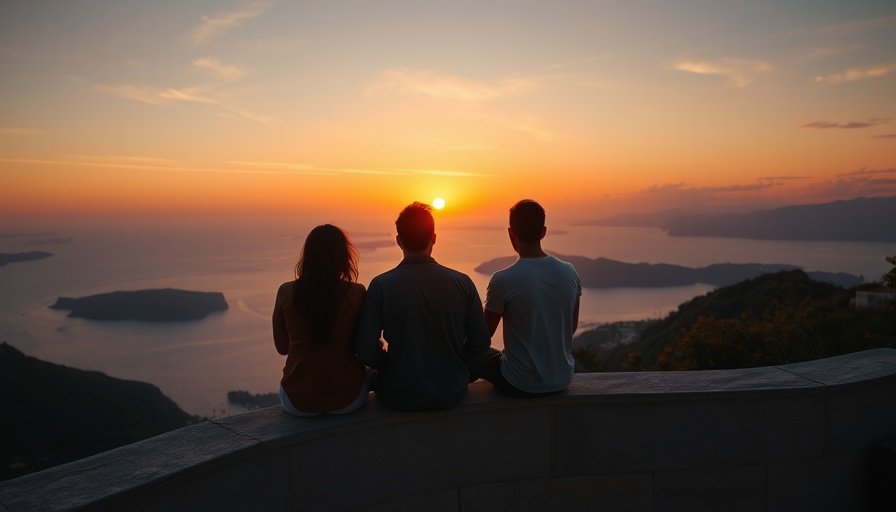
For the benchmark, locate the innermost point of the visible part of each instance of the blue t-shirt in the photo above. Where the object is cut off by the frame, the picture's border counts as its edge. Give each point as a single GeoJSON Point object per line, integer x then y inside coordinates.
{"type": "Point", "coordinates": [536, 299]}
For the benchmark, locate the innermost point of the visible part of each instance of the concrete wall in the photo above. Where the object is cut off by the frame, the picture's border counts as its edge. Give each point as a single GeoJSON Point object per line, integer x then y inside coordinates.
{"type": "Point", "coordinates": [796, 437]}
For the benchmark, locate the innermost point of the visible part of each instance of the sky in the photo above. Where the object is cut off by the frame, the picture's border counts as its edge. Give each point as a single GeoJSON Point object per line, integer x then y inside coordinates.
{"type": "Point", "coordinates": [174, 108]}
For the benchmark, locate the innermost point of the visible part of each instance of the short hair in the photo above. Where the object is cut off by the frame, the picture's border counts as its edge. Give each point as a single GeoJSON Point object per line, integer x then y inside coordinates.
{"type": "Point", "coordinates": [527, 220]}
{"type": "Point", "coordinates": [415, 226]}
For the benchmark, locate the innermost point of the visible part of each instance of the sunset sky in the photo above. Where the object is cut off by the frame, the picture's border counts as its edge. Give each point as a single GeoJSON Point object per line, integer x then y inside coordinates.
{"type": "Point", "coordinates": [120, 107]}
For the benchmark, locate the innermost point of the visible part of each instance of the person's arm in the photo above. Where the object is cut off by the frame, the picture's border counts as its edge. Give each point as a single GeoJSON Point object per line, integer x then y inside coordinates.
{"type": "Point", "coordinates": [575, 315]}
{"type": "Point", "coordinates": [281, 336]}
{"type": "Point", "coordinates": [368, 347]}
{"type": "Point", "coordinates": [492, 320]}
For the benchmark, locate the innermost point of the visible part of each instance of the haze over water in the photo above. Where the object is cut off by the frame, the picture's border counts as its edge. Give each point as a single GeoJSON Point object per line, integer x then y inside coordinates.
{"type": "Point", "coordinates": [196, 363]}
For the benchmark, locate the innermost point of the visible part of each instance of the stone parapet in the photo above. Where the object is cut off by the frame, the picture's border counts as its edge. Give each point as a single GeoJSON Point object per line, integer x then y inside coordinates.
{"type": "Point", "coordinates": [793, 437]}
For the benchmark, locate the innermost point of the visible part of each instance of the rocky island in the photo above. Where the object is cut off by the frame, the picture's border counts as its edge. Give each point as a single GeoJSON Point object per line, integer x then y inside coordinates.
{"type": "Point", "coordinates": [22, 256]}
{"type": "Point", "coordinates": [162, 305]}
{"type": "Point", "coordinates": [607, 273]}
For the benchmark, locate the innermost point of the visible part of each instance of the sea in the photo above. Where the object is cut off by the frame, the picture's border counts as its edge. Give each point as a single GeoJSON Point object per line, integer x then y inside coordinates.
{"type": "Point", "coordinates": [196, 363]}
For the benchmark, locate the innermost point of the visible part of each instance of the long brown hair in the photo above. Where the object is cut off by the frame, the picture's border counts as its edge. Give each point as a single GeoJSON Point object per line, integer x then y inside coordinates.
{"type": "Point", "coordinates": [328, 262]}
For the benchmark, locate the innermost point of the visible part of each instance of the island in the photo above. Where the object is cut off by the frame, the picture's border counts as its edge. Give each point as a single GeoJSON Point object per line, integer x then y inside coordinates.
{"type": "Point", "coordinates": [22, 256]}
{"type": "Point", "coordinates": [607, 273]}
{"type": "Point", "coordinates": [252, 402]}
{"type": "Point", "coordinates": [161, 305]}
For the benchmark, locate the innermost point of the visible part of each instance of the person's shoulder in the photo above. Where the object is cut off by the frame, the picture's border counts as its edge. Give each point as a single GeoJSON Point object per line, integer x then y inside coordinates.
{"type": "Point", "coordinates": [457, 274]}
{"type": "Point", "coordinates": [285, 287]}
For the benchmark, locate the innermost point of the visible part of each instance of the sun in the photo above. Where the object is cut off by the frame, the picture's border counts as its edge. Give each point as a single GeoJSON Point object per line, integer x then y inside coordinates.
{"type": "Point", "coordinates": [438, 203]}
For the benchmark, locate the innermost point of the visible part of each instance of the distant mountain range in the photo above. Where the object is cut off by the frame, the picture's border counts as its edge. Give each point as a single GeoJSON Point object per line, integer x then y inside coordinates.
{"type": "Point", "coordinates": [607, 273]}
{"type": "Point", "coordinates": [165, 305]}
{"type": "Point", "coordinates": [856, 220]}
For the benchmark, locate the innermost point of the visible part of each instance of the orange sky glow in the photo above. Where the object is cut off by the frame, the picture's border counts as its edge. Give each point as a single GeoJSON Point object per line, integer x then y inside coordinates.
{"type": "Point", "coordinates": [358, 108]}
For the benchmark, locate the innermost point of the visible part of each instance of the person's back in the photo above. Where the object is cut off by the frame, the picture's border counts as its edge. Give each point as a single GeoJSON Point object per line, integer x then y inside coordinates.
{"type": "Point", "coordinates": [429, 315]}
{"type": "Point", "coordinates": [314, 321]}
{"type": "Point", "coordinates": [538, 299]}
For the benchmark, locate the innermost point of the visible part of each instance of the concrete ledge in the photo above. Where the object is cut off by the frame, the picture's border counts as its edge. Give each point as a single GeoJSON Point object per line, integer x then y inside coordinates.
{"type": "Point", "coordinates": [795, 437]}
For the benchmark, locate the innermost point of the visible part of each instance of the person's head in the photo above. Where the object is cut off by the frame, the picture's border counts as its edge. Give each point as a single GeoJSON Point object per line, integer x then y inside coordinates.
{"type": "Point", "coordinates": [328, 255]}
{"type": "Point", "coordinates": [527, 221]}
{"type": "Point", "coordinates": [416, 227]}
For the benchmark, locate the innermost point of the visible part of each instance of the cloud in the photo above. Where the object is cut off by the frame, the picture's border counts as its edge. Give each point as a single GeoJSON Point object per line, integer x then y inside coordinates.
{"type": "Point", "coordinates": [143, 94]}
{"type": "Point", "coordinates": [219, 70]}
{"type": "Point", "coordinates": [440, 86]}
{"type": "Point", "coordinates": [768, 192]}
{"type": "Point", "coordinates": [17, 130]}
{"type": "Point", "coordinates": [860, 183]}
{"type": "Point", "coordinates": [192, 94]}
{"type": "Point", "coordinates": [737, 72]}
{"type": "Point", "coordinates": [884, 136]}
{"type": "Point", "coordinates": [217, 24]}
{"type": "Point", "coordinates": [825, 125]}
{"type": "Point", "coordinates": [860, 26]}
{"type": "Point", "coordinates": [851, 75]}
{"type": "Point", "coordinates": [313, 169]}
{"type": "Point", "coordinates": [782, 178]}
{"type": "Point", "coordinates": [157, 96]}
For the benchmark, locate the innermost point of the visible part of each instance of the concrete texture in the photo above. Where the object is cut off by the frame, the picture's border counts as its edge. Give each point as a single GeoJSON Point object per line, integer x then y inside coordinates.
{"type": "Point", "coordinates": [795, 437]}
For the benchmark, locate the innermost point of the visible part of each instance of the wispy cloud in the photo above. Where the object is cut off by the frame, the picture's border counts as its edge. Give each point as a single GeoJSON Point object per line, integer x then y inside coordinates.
{"type": "Point", "coordinates": [313, 169]}
{"type": "Point", "coordinates": [782, 178]}
{"type": "Point", "coordinates": [449, 87]}
{"type": "Point", "coordinates": [737, 72]}
{"type": "Point", "coordinates": [155, 95]}
{"type": "Point", "coordinates": [860, 183]}
{"type": "Point", "coordinates": [218, 69]}
{"type": "Point", "coordinates": [851, 75]}
{"type": "Point", "coordinates": [221, 22]}
{"type": "Point", "coordinates": [860, 26]}
{"type": "Point", "coordinates": [826, 125]}
{"type": "Point", "coordinates": [18, 130]}
{"type": "Point", "coordinates": [884, 136]}
{"type": "Point", "coordinates": [208, 94]}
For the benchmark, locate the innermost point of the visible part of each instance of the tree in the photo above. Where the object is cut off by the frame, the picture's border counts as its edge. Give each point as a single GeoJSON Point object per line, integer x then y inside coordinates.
{"type": "Point", "coordinates": [889, 279]}
{"type": "Point", "coordinates": [785, 334]}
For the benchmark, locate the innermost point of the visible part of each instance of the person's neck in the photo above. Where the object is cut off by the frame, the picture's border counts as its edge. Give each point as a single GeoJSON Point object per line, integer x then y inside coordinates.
{"type": "Point", "coordinates": [416, 254]}
{"type": "Point", "coordinates": [530, 251]}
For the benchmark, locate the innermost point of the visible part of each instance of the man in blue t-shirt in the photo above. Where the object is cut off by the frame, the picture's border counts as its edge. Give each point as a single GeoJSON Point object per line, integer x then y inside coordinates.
{"type": "Point", "coordinates": [538, 299]}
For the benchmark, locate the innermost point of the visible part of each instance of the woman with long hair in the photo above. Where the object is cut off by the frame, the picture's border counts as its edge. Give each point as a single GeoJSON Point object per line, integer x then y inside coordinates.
{"type": "Point", "coordinates": [314, 323]}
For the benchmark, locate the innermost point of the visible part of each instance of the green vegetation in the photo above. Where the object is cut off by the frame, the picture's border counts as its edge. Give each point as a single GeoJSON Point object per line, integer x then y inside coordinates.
{"type": "Point", "coordinates": [772, 319]}
{"type": "Point", "coordinates": [53, 414]}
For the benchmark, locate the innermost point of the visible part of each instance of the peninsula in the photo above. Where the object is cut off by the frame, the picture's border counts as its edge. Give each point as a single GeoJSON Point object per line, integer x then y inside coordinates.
{"type": "Point", "coordinates": [607, 273]}
{"type": "Point", "coordinates": [22, 256]}
{"type": "Point", "coordinates": [162, 305]}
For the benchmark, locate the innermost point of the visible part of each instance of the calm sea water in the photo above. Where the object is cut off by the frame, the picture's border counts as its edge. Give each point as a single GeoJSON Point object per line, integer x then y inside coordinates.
{"type": "Point", "coordinates": [196, 363]}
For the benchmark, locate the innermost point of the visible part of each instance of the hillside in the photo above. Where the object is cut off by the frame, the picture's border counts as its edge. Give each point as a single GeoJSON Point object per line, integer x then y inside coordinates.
{"type": "Point", "coordinates": [841, 330]}
{"type": "Point", "coordinates": [54, 414]}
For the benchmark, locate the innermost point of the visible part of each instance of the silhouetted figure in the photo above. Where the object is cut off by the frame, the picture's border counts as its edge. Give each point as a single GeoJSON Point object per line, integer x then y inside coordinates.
{"type": "Point", "coordinates": [430, 317]}
{"type": "Point", "coordinates": [538, 299]}
{"type": "Point", "coordinates": [314, 325]}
